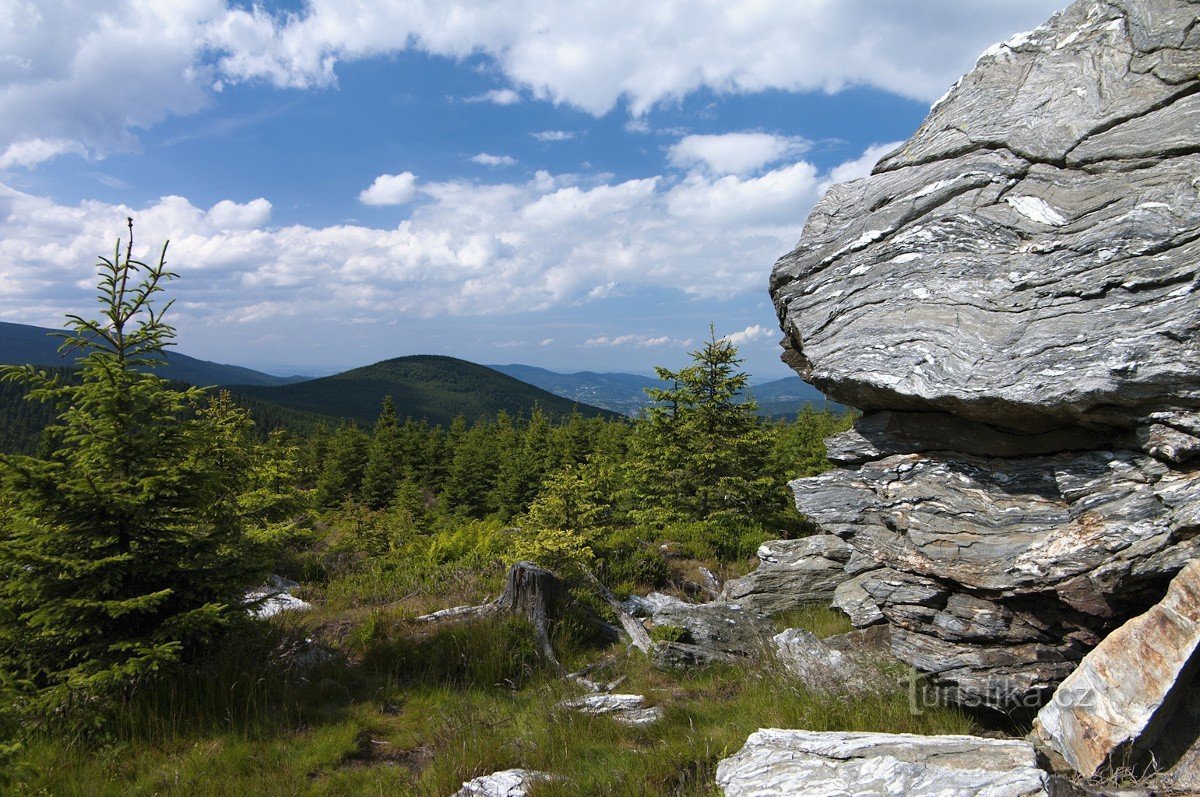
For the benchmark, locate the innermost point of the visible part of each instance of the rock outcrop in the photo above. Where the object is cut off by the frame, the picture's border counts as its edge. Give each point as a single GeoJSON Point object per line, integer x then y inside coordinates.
{"type": "Point", "coordinates": [1111, 711]}
{"type": "Point", "coordinates": [1011, 299]}
{"type": "Point", "coordinates": [792, 574]}
{"type": "Point", "coordinates": [798, 763]}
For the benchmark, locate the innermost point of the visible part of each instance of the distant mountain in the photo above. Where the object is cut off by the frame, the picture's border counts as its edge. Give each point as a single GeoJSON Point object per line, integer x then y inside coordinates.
{"type": "Point", "coordinates": [623, 393]}
{"type": "Point", "coordinates": [23, 344]}
{"type": "Point", "coordinates": [425, 386]}
{"type": "Point", "coordinates": [785, 397]}
{"type": "Point", "coordinates": [626, 393]}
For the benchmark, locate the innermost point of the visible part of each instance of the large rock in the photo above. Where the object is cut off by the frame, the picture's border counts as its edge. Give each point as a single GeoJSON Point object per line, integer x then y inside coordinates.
{"type": "Point", "coordinates": [1011, 299]}
{"type": "Point", "coordinates": [797, 763]}
{"type": "Point", "coordinates": [792, 574]}
{"type": "Point", "coordinates": [1112, 710]}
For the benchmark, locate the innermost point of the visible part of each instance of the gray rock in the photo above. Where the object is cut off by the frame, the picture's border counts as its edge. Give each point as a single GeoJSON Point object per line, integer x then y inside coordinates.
{"type": "Point", "coordinates": [506, 783]}
{"type": "Point", "coordinates": [1045, 213]}
{"type": "Point", "coordinates": [852, 598]}
{"type": "Point", "coordinates": [725, 627]}
{"type": "Point", "coordinates": [792, 574]}
{"type": "Point", "coordinates": [682, 656]}
{"type": "Point", "coordinates": [820, 667]}
{"type": "Point", "coordinates": [1011, 297]}
{"type": "Point", "coordinates": [625, 709]}
{"type": "Point", "coordinates": [795, 763]}
{"type": "Point", "coordinates": [1111, 710]}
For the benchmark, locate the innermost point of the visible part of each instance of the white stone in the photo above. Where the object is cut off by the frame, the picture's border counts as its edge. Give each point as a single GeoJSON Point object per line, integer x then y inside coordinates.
{"type": "Point", "coordinates": [795, 763]}
{"type": "Point", "coordinates": [507, 783]}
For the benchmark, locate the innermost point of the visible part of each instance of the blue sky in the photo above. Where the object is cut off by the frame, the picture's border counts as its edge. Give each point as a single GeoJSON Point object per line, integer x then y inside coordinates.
{"type": "Point", "coordinates": [575, 186]}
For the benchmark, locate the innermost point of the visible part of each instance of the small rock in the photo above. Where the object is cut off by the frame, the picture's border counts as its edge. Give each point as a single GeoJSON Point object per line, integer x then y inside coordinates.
{"type": "Point", "coordinates": [639, 717]}
{"type": "Point", "coordinates": [275, 597]}
{"type": "Point", "coordinates": [507, 783]}
{"type": "Point", "coordinates": [796, 763]}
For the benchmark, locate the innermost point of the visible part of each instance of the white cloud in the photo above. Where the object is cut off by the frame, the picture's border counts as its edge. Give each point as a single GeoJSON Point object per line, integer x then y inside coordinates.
{"type": "Point", "coordinates": [390, 189]}
{"type": "Point", "coordinates": [734, 153]}
{"type": "Point", "coordinates": [554, 135]}
{"type": "Point", "coordinates": [639, 340]}
{"type": "Point", "coordinates": [227, 215]}
{"type": "Point", "coordinates": [62, 89]}
{"type": "Point", "coordinates": [750, 334]}
{"type": "Point", "coordinates": [484, 159]}
{"type": "Point", "coordinates": [467, 249]}
{"type": "Point", "coordinates": [497, 97]}
{"type": "Point", "coordinates": [860, 166]}
{"type": "Point", "coordinates": [591, 53]}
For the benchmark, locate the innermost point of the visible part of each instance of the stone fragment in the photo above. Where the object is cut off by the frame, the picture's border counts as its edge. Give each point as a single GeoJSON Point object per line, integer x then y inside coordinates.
{"type": "Point", "coordinates": [795, 763]}
{"type": "Point", "coordinates": [1111, 710]}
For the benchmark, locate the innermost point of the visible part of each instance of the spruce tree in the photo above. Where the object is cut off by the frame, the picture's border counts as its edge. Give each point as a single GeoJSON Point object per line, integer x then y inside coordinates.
{"type": "Point", "coordinates": [702, 450]}
{"type": "Point", "coordinates": [385, 458]}
{"type": "Point", "coordinates": [126, 545]}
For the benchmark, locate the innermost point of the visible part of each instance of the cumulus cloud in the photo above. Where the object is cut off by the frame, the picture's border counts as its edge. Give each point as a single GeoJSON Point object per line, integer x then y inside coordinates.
{"type": "Point", "coordinates": [592, 54]}
{"type": "Point", "coordinates": [390, 189]}
{"type": "Point", "coordinates": [467, 249]}
{"type": "Point", "coordinates": [62, 90]}
{"type": "Point", "coordinates": [861, 166]}
{"type": "Point", "coordinates": [484, 159]}
{"type": "Point", "coordinates": [734, 153]}
{"type": "Point", "coordinates": [750, 334]}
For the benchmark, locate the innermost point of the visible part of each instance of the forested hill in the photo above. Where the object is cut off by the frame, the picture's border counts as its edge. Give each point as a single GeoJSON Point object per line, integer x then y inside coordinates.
{"type": "Point", "coordinates": [429, 387]}
{"type": "Point", "coordinates": [22, 344]}
{"type": "Point", "coordinates": [625, 393]}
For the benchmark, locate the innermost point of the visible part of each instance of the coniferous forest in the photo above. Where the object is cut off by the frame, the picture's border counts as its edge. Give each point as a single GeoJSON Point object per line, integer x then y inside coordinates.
{"type": "Point", "coordinates": [142, 515]}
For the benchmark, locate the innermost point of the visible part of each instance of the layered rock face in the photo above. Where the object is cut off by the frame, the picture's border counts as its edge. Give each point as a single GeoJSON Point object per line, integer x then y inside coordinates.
{"type": "Point", "coordinates": [1011, 299]}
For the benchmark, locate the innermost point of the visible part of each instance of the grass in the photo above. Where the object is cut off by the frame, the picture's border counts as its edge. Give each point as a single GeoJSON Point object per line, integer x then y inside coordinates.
{"type": "Point", "coordinates": [819, 620]}
{"type": "Point", "coordinates": [419, 712]}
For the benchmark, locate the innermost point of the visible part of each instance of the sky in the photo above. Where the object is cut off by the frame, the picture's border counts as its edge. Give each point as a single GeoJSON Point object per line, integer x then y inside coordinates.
{"type": "Point", "coordinates": [579, 186]}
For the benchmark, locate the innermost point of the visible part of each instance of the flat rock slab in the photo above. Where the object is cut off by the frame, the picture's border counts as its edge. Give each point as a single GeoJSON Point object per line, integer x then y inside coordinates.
{"type": "Point", "coordinates": [506, 783]}
{"type": "Point", "coordinates": [625, 709]}
{"type": "Point", "coordinates": [797, 763]}
{"type": "Point", "coordinates": [1114, 707]}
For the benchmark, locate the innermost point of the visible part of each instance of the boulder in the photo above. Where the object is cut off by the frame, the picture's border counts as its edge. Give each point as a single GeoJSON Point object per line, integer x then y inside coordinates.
{"type": "Point", "coordinates": [797, 763]}
{"type": "Point", "coordinates": [1011, 299]}
{"type": "Point", "coordinates": [722, 627]}
{"type": "Point", "coordinates": [792, 574]}
{"type": "Point", "coordinates": [1111, 711]}
{"type": "Point", "coordinates": [507, 783]}
{"type": "Point", "coordinates": [821, 667]}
